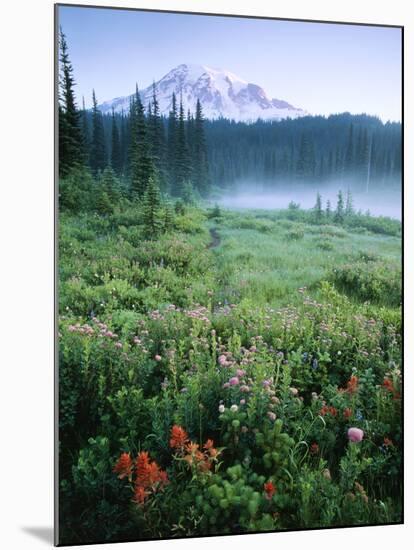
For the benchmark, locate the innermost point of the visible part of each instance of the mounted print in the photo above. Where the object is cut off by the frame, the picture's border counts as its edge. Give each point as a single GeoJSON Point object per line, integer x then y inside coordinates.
{"type": "Point", "coordinates": [229, 275]}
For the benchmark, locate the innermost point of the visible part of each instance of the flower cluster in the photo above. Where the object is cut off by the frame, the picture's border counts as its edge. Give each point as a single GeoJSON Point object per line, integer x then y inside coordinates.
{"type": "Point", "coordinates": [149, 478]}
{"type": "Point", "coordinates": [199, 312]}
{"type": "Point", "coordinates": [388, 385]}
{"type": "Point", "coordinates": [190, 452]}
{"type": "Point", "coordinates": [328, 410]}
{"type": "Point", "coordinates": [352, 385]}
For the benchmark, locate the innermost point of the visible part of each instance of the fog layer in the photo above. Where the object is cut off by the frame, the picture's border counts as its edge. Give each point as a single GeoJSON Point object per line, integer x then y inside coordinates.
{"type": "Point", "coordinates": [379, 200]}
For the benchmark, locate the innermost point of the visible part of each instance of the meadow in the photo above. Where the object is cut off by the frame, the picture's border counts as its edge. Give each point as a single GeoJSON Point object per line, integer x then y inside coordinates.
{"type": "Point", "coordinates": [238, 372]}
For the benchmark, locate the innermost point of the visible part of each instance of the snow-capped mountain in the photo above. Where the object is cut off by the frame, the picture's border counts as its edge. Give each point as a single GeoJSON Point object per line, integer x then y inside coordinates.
{"type": "Point", "coordinates": [221, 93]}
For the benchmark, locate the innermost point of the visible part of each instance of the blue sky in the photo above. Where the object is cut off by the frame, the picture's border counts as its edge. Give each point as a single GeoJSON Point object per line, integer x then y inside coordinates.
{"type": "Point", "coordinates": [323, 68]}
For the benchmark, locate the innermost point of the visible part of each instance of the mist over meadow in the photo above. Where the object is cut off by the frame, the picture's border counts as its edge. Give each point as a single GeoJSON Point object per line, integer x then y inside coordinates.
{"type": "Point", "coordinates": [378, 200]}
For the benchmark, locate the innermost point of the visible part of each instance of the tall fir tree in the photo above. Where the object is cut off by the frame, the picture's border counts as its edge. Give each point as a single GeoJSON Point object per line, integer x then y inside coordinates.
{"type": "Point", "coordinates": [339, 212]}
{"type": "Point", "coordinates": [141, 165]}
{"type": "Point", "coordinates": [71, 147]}
{"type": "Point", "coordinates": [328, 210]}
{"type": "Point", "coordinates": [172, 144]}
{"type": "Point", "coordinates": [157, 139]}
{"type": "Point", "coordinates": [109, 184]}
{"type": "Point", "coordinates": [86, 134]}
{"type": "Point", "coordinates": [318, 208]}
{"type": "Point", "coordinates": [349, 203]}
{"type": "Point", "coordinates": [181, 155]}
{"type": "Point", "coordinates": [125, 140]}
{"type": "Point", "coordinates": [116, 153]}
{"type": "Point", "coordinates": [151, 209]}
{"type": "Point", "coordinates": [98, 156]}
{"type": "Point", "coordinates": [168, 223]}
{"type": "Point", "coordinates": [199, 156]}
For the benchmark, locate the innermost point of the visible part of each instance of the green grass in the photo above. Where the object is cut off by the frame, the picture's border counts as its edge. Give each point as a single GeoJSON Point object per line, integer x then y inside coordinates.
{"type": "Point", "coordinates": [268, 261]}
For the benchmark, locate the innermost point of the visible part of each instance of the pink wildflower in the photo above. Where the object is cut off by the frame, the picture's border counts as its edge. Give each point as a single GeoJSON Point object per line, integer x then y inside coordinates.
{"type": "Point", "coordinates": [355, 435]}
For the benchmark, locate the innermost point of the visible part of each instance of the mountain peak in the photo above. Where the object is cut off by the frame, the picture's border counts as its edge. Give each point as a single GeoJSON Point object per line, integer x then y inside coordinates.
{"type": "Point", "coordinates": [221, 93]}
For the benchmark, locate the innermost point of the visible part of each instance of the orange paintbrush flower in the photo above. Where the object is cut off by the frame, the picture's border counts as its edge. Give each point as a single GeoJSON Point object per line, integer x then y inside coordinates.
{"type": "Point", "coordinates": [124, 466]}
{"type": "Point", "coordinates": [179, 438]}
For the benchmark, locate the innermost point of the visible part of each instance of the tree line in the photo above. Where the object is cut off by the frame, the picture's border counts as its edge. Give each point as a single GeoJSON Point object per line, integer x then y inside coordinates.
{"type": "Point", "coordinates": [360, 148]}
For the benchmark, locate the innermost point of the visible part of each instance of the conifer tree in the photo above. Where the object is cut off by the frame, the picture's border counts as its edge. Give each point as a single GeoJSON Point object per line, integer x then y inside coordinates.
{"type": "Point", "coordinates": [142, 168]}
{"type": "Point", "coordinates": [157, 139]}
{"type": "Point", "coordinates": [98, 157]}
{"type": "Point", "coordinates": [200, 164]}
{"type": "Point", "coordinates": [318, 208]}
{"type": "Point", "coordinates": [339, 164]}
{"type": "Point", "coordinates": [86, 136]}
{"type": "Point", "coordinates": [330, 168]}
{"type": "Point", "coordinates": [103, 203]}
{"type": "Point", "coordinates": [349, 206]}
{"type": "Point", "coordinates": [71, 145]}
{"type": "Point", "coordinates": [172, 145]}
{"type": "Point", "coordinates": [328, 210]}
{"type": "Point", "coordinates": [116, 155]}
{"type": "Point", "coordinates": [151, 210]}
{"type": "Point", "coordinates": [362, 153]}
{"type": "Point", "coordinates": [109, 183]}
{"type": "Point", "coordinates": [322, 167]}
{"type": "Point", "coordinates": [125, 140]}
{"type": "Point", "coordinates": [349, 154]}
{"type": "Point", "coordinates": [168, 224]}
{"type": "Point", "coordinates": [306, 160]}
{"type": "Point", "coordinates": [339, 212]}
{"type": "Point", "coordinates": [181, 155]}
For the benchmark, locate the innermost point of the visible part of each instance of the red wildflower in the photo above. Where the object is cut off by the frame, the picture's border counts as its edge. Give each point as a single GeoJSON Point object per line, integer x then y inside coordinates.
{"type": "Point", "coordinates": [142, 468]}
{"type": "Point", "coordinates": [124, 466]}
{"type": "Point", "coordinates": [388, 385]}
{"type": "Point", "coordinates": [140, 494]}
{"type": "Point", "coordinates": [328, 410]}
{"type": "Point", "coordinates": [148, 475]}
{"type": "Point", "coordinates": [179, 438]}
{"type": "Point", "coordinates": [347, 413]}
{"type": "Point", "coordinates": [210, 449]}
{"type": "Point", "coordinates": [269, 490]}
{"type": "Point", "coordinates": [352, 385]}
{"type": "Point", "coordinates": [314, 449]}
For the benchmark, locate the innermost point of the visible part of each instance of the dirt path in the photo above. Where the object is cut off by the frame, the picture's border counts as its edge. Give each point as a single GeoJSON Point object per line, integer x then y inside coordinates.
{"type": "Point", "coordinates": [215, 238]}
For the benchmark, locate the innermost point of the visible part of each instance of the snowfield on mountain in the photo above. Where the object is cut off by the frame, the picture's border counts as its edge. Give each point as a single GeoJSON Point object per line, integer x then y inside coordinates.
{"type": "Point", "coordinates": [222, 94]}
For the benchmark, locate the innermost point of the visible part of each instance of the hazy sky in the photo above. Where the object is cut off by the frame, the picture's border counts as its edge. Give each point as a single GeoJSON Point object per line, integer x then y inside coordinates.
{"type": "Point", "coordinates": [323, 68]}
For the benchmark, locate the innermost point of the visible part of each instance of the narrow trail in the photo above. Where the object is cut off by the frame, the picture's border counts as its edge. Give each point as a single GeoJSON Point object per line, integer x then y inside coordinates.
{"type": "Point", "coordinates": [215, 238]}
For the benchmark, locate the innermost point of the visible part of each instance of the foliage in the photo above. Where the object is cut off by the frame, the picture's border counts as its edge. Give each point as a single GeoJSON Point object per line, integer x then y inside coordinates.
{"type": "Point", "coordinates": [239, 402]}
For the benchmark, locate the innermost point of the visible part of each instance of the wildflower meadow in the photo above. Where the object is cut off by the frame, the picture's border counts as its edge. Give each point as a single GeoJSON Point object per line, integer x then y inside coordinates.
{"type": "Point", "coordinates": [211, 390]}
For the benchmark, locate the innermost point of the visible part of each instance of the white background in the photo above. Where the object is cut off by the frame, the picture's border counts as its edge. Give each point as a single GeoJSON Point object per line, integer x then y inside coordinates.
{"type": "Point", "coordinates": [26, 270]}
